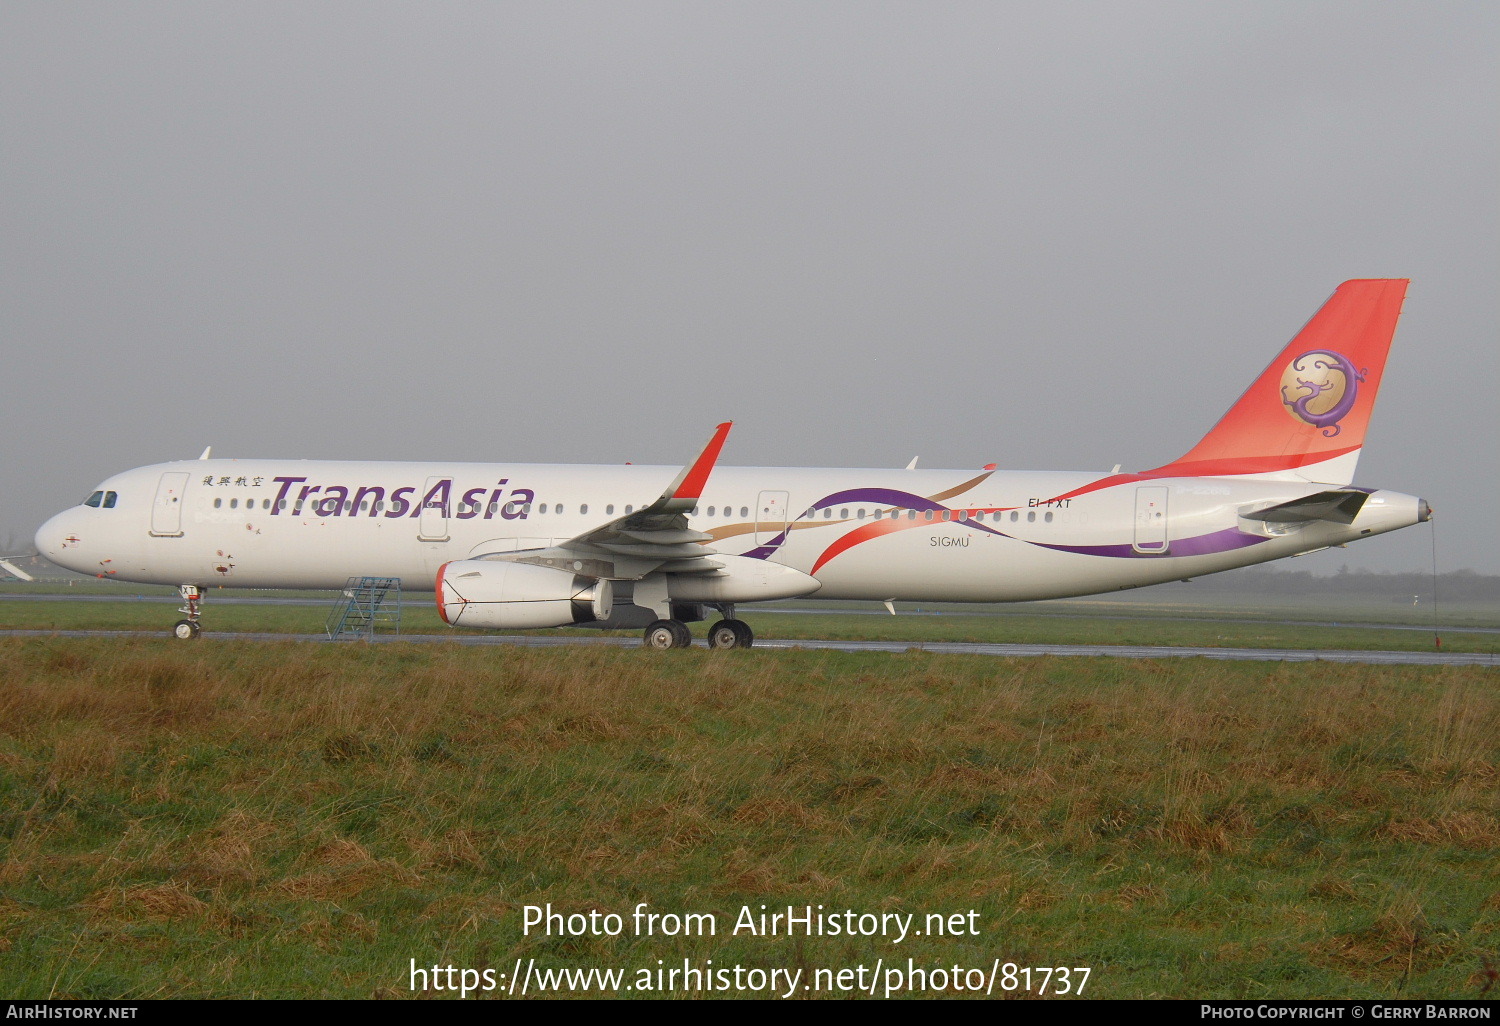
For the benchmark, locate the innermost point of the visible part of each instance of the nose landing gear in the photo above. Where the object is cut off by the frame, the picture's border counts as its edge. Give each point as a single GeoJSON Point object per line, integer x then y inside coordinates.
{"type": "Point", "coordinates": [190, 628]}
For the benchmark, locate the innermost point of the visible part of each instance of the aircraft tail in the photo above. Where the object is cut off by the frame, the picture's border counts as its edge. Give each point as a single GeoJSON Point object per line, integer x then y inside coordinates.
{"type": "Point", "coordinates": [1305, 417]}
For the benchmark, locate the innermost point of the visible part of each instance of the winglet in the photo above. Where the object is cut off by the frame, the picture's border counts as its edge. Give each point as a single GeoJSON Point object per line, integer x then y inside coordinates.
{"type": "Point", "coordinates": [14, 570]}
{"type": "Point", "coordinates": [683, 493]}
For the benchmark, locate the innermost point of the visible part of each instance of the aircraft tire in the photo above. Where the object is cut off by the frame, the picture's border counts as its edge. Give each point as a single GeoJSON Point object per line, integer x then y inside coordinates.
{"type": "Point", "coordinates": [186, 630]}
{"type": "Point", "coordinates": [667, 634]}
{"type": "Point", "coordinates": [730, 634]}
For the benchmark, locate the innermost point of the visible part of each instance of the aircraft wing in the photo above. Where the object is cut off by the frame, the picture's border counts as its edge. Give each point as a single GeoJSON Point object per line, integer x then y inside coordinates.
{"type": "Point", "coordinates": [1339, 506]}
{"type": "Point", "coordinates": [15, 571]}
{"type": "Point", "coordinates": [654, 537]}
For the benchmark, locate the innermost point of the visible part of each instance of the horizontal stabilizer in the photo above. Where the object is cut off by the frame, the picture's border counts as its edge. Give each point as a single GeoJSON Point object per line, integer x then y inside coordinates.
{"type": "Point", "coordinates": [1335, 507]}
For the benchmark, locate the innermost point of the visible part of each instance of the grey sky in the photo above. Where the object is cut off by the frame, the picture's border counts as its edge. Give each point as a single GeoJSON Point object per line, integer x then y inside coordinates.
{"type": "Point", "coordinates": [1048, 235]}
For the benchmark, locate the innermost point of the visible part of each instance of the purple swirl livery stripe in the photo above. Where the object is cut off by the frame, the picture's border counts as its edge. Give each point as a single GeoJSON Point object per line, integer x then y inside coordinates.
{"type": "Point", "coordinates": [876, 496]}
{"type": "Point", "coordinates": [1204, 545]}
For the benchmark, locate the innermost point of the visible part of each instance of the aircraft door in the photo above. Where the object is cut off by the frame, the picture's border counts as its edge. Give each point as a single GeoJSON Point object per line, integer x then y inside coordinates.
{"type": "Point", "coordinates": [432, 524]}
{"type": "Point", "coordinates": [770, 516]}
{"type": "Point", "coordinates": [1151, 519]}
{"type": "Point", "coordinates": [166, 510]}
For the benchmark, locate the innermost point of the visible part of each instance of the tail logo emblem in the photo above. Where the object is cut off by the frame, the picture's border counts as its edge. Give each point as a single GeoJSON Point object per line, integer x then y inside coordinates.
{"type": "Point", "coordinates": [1318, 388]}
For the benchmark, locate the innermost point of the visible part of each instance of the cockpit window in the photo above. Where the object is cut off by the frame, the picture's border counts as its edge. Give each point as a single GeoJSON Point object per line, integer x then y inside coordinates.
{"type": "Point", "coordinates": [109, 499]}
{"type": "Point", "coordinates": [94, 500]}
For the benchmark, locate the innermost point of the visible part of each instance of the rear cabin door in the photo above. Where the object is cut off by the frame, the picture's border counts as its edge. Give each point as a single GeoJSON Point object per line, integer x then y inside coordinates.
{"type": "Point", "coordinates": [166, 510]}
{"type": "Point", "coordinates": [1151, 519]}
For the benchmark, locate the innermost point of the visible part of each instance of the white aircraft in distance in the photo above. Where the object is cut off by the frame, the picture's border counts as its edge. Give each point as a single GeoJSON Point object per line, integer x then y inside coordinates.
{"type": "Point", "coordinates": [515, 545]}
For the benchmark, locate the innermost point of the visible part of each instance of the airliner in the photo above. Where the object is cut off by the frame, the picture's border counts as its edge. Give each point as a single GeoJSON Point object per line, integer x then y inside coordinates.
{"type": "Point", "coordinates": [518, 545]}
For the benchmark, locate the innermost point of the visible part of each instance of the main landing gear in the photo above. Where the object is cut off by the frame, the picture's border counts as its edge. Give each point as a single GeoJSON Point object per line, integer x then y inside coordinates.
{"type": "Point", "coordinates": [189, 629]}
{"type": "Point", "coordinates": [675, 634]}
{"type": "Point", "coordinates": [730, 634]}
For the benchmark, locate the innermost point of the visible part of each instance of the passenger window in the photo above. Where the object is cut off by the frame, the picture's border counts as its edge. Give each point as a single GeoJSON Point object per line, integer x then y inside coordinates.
{"type": "Point", "coordinates": [542, 508]}
{"type": "Point", "coordinates": [234, 503]}
{"type": "Point", "coordinates": [1048, 518]}
{"type": "Point", "coordinates": [929, 514]}
{"type": "Point", "coordinates": [828, 514]}
{"type": "Point", "coordinates": [609, 510]}
{"type": "Point", "coordinates": [911, 514]}
{"type": "Point", "coordinates": [1031, 517]}
{"type": "Point", "coordinates": [218, 503]}
{"type": "Point", "coordinates": [1014, 516]}
{"type": "Point", "coordinates": [557, 509]}
{"type": "Point", "coordinates": [711, 510]}
{"type": "Point", "coordinates": [843, 514]}
{"type": "Point", "coordinates": [584, 509]}
{"type": "Point", "coordinates": [629, 510]}
{"type": "Point", "coordinates": [94, 500]}
{"type": "Point", "coordinates": [861, 514]}
{"type": "Point", "coordinates": [745, 511]}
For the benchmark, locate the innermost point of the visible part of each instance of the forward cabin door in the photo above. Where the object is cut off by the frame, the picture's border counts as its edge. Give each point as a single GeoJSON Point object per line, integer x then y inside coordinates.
{"type": "Point", "coordinates": [166, 511]}
{"type": "Point", "coordinates": [1151, 519]}
{"type": "Point", "coordinates": [770, 516]}
{"type": "Point", "coordinates": [432, 524]}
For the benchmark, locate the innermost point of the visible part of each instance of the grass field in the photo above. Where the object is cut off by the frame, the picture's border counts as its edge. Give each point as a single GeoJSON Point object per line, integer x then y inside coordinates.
{"type": "Point", "coordinates": [1167, 620]}
{"type": "Point", "coordinates": [293, 820]}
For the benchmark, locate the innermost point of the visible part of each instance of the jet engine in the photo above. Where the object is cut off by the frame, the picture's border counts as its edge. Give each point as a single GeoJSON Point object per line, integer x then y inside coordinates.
{"type": "Point", "coordinates": [494, 593]}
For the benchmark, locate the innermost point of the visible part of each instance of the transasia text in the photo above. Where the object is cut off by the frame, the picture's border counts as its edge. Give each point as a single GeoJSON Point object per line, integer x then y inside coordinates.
{"type": "Point", "coordinates": [374, 500]}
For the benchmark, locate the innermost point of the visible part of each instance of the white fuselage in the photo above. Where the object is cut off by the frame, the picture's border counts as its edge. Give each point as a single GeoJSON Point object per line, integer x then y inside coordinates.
{"type": "Point", "coordinates": [930, 535]}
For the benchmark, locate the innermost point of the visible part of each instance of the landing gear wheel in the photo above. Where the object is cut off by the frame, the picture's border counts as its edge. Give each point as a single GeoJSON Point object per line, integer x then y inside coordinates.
{"type": "Point", "coordinates": [730, 634]}
{"type": "Point", "coordinates": [667, 634]}
{"type": "Point", "coordinates": [188, 629]}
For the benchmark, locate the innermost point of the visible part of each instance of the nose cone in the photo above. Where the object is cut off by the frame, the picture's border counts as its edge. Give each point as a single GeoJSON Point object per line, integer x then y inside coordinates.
{"type": "Point", "coordinates": [59, 541]}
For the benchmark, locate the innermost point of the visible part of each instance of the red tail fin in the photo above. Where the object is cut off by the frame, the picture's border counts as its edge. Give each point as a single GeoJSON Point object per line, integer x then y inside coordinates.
{"type": "Point", "coordinates": [1305, 416]}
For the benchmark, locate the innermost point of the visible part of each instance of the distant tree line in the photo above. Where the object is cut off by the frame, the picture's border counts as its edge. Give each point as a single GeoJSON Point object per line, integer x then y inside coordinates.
{"type": "Point", "coordinates": [1453, 586]}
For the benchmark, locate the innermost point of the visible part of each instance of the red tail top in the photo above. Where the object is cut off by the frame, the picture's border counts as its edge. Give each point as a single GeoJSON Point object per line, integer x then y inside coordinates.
{"type": "Point", "coordinates": [1313, 403]}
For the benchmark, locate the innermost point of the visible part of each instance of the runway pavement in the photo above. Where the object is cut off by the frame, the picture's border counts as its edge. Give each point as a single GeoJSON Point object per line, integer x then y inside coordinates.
{"type": "Point", "coordinates": [1377, 658]}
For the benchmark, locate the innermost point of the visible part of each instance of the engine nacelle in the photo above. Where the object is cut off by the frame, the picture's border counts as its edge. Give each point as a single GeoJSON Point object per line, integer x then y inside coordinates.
{"type": "Point", "coordinates": [495, 593]}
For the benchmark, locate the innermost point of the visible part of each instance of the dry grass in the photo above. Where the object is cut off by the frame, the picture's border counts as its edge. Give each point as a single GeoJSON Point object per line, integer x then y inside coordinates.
{"type": "Point", "coordinates": [1184, 827]}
